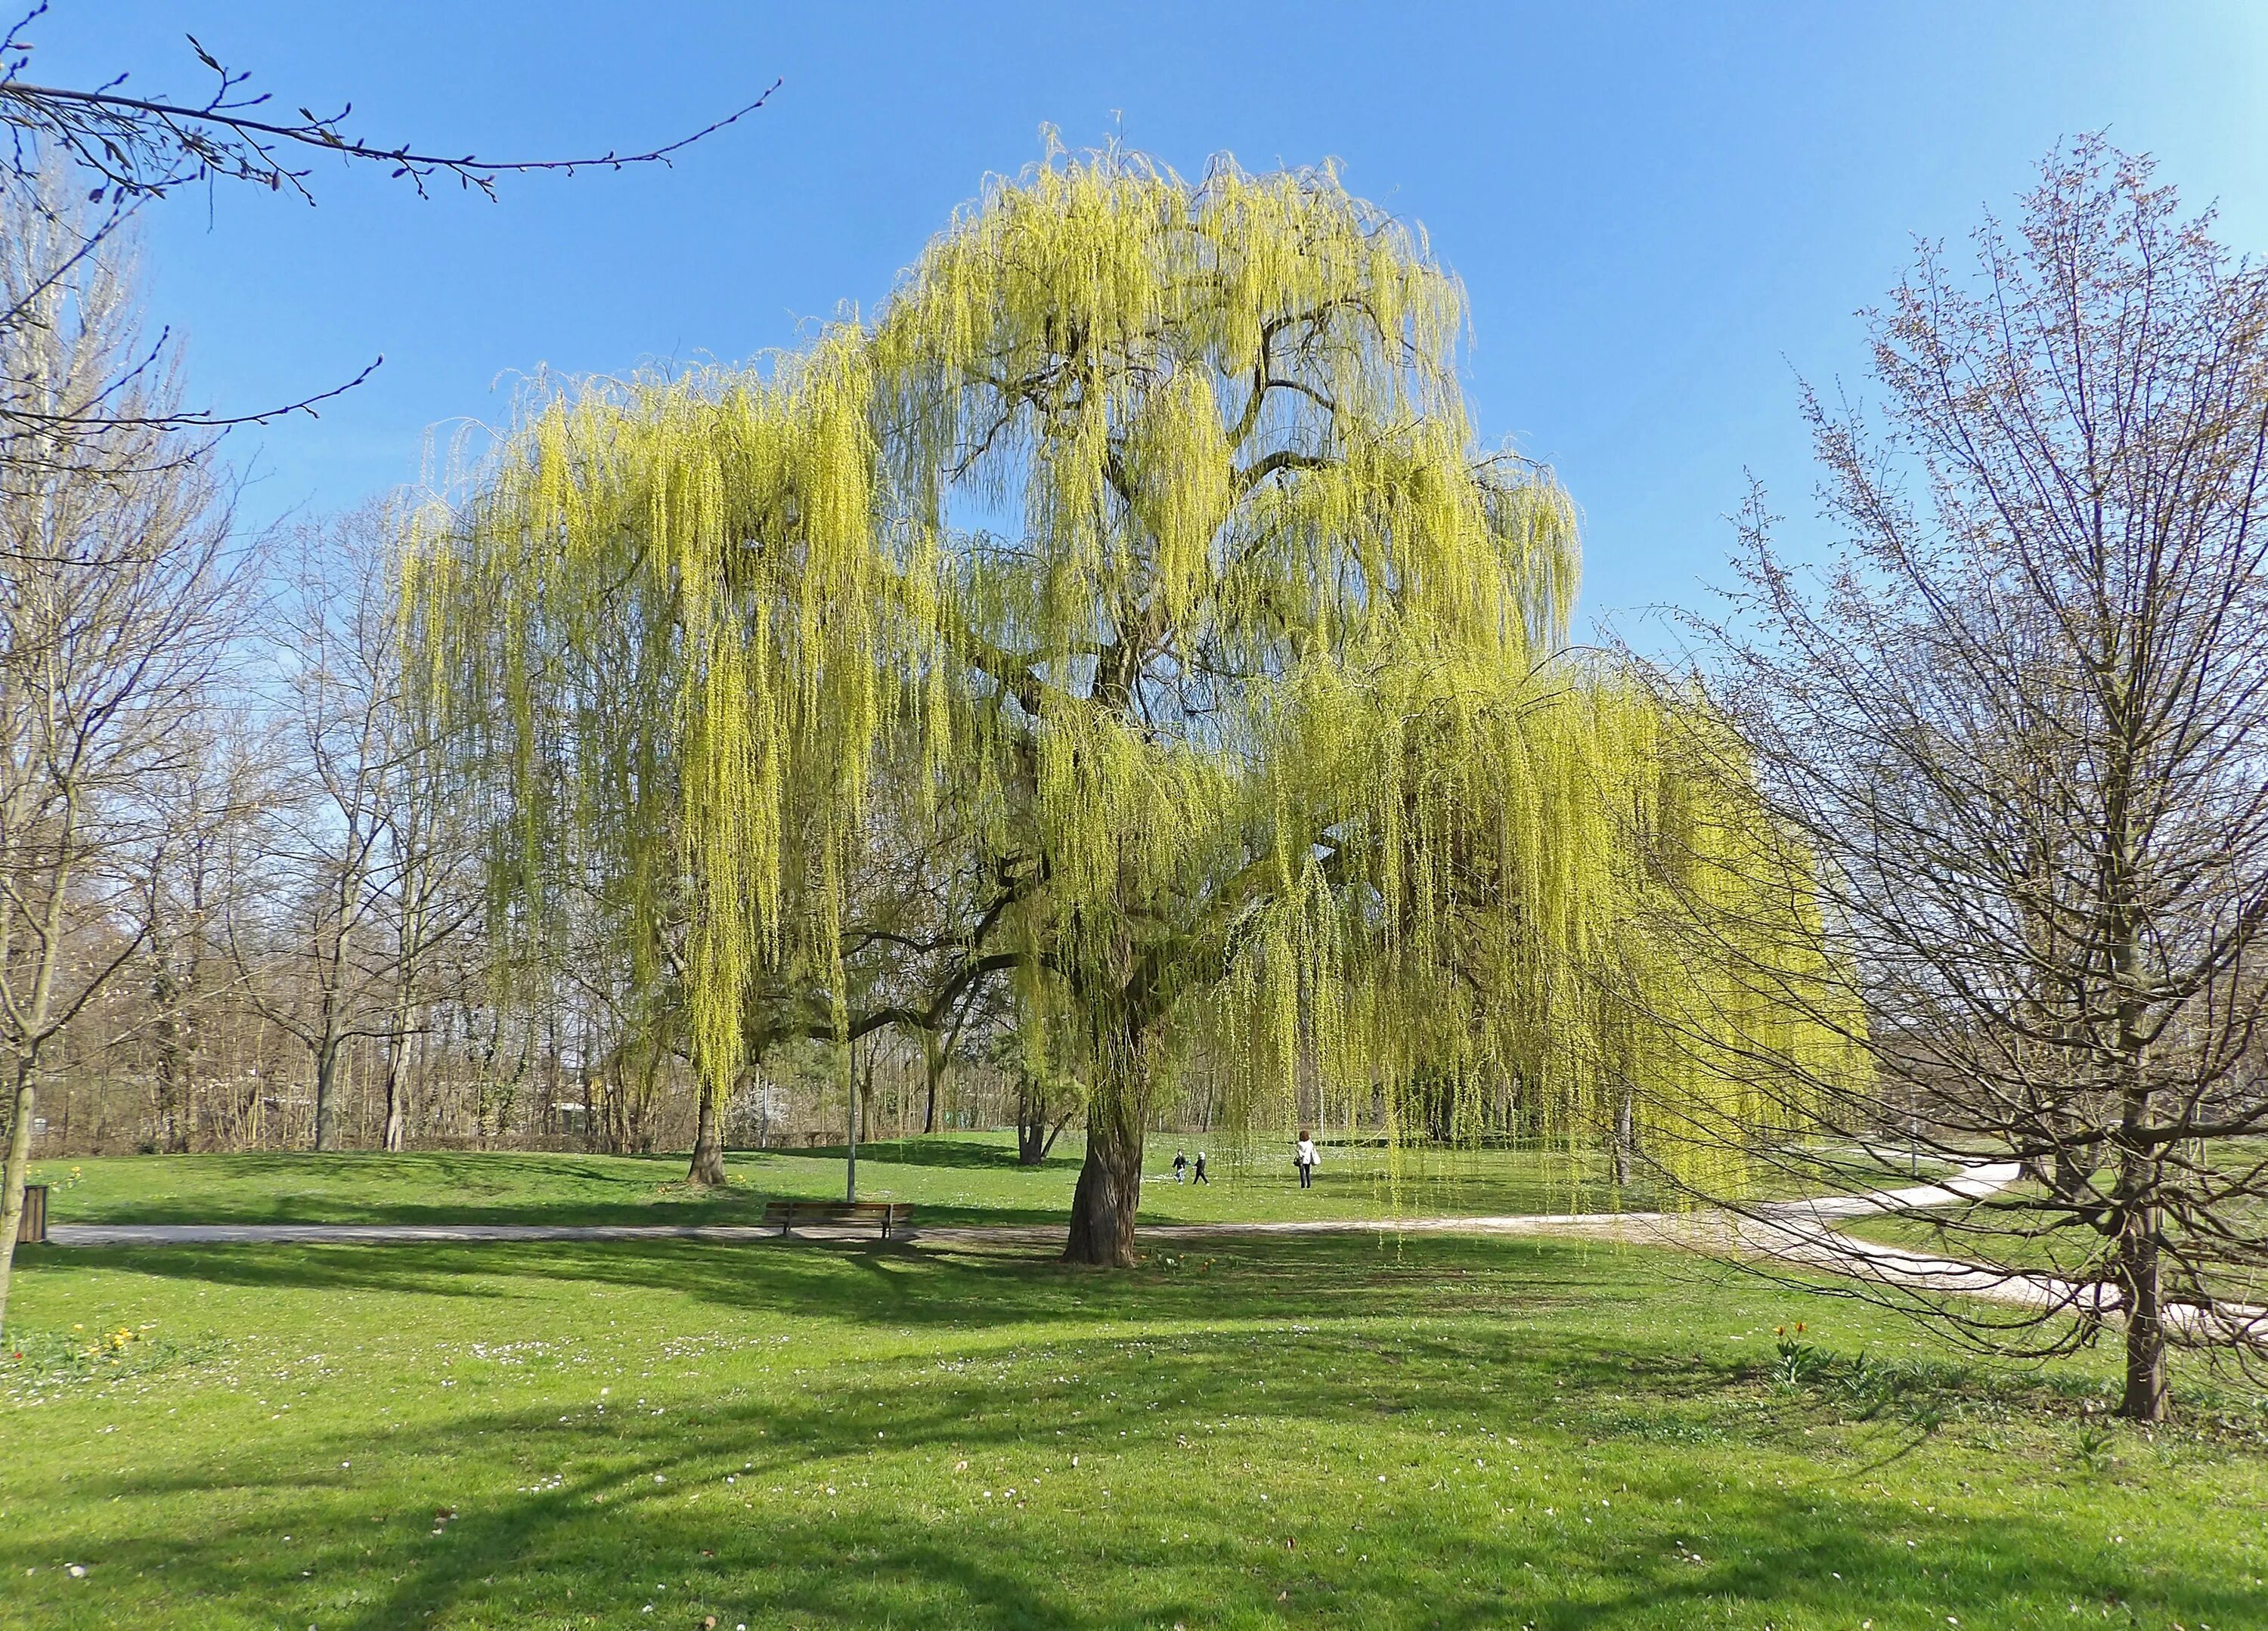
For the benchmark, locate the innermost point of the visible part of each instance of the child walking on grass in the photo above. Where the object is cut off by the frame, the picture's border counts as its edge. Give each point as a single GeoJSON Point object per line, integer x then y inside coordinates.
{"type": "Point", "coordinates": [1303, 1158]}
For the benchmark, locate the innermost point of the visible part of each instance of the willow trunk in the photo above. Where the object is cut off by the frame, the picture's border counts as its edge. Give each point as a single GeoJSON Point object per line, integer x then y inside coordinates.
{"type": "Point", "coordinates": [1109, 1190]}
{"type": "Point", "coordinates": [932, 1077]}
{"type": "Point", "coordinates": [708, 1169]}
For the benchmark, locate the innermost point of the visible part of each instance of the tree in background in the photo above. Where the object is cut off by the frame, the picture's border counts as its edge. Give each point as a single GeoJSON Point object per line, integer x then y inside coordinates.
{"type": "Point", "coordinates": [1251, 731]}
{"type": "Point", "coordinates": [2015, 732]}
{"type": "Point", "coordinates": [118, 603]}
{"type": "Point", "coordinates": [62, 432]}
{"type": "Point", "coordinates": [190, 873]}
{"type": "Point", "coordinates": [361, 873]}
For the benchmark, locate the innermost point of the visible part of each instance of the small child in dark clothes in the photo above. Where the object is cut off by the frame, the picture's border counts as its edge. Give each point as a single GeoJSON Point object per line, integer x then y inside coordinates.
{"type": "Point", "coordinates": [1201, 1177]}
{"type": "Point", "coordinates": [1181, 1165]}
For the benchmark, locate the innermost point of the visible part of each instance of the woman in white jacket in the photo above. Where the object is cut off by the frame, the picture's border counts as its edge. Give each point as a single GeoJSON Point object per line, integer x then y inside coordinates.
{"type": "Point", "coordinates": [1303, 1158]}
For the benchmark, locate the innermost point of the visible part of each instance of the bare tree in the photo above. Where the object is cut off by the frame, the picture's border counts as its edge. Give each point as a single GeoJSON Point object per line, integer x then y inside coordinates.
{"type": "Point", "coordinates": [144, 147]}
{"type": "Point", "coordinates": [2015, 734]}
{"type": "Point", "coordinates": [138, 148]}
{"type": "Point", "coordinates": [363, 865]}
{"type": "Point", "coordinates": [114, 591]}
{"type": "Point", "coordinates": [431, 903]}
{"type": "Point", "coordinates": [184, 877]}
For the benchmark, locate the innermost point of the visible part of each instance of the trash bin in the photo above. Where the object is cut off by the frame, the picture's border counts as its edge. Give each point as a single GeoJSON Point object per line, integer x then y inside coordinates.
{"type": "Point", "coordinates": [33, 1230]}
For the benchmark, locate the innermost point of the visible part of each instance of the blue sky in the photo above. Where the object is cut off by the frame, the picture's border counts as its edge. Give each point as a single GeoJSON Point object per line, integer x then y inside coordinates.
{"type": "Point", "coordinates": [1663, 213]}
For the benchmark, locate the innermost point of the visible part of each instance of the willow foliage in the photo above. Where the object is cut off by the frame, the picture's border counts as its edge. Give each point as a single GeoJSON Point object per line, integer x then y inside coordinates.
{"type": "Point", "coordinates": [1144, 527]}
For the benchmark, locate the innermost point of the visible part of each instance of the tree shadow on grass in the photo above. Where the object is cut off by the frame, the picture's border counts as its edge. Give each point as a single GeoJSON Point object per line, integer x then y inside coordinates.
{"type": "Point", "coordinates": [855, 1516]}
{"type": "Point", "coordinates": [892, 1284]}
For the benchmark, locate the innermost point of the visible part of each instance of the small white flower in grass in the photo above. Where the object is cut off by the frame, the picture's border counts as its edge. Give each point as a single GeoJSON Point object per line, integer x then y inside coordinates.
{"type": "Point", "coordinates": [76, 1571]}
{"type": "Point", "coordinates": [658, 1479]}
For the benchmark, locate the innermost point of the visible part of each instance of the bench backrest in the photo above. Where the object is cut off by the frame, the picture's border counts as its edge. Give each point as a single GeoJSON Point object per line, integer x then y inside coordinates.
{"type": "Point", "coordinates": [892, 1209]}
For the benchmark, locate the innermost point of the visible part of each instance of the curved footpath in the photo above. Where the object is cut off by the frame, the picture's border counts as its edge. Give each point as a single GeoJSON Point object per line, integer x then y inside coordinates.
{"type": "Point", "coordinates": [1800, 1233]}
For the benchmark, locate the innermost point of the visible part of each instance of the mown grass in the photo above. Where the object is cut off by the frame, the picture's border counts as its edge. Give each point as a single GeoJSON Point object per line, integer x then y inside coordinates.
{"type": "Point", "coordinates": [1327, 1431]}
{"type": "Point", "coordinates": [957, 1178]}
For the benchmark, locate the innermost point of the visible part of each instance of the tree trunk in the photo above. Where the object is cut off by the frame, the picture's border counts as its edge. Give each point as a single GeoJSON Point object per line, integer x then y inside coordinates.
{"type": "Point", "coordinates": [1109, 1189]}
{"type": "Point", "coordinates": [1031, 1119]}
{"type": "Point", "coordinates": [851, 1127]}
{"type": "Point", "coordinates": [1625, 1136]}
{"type": "Point", "coordinates": [395, 1135]}
{"type": "Point", "coordinates": [2140, 1282]}
{"type": "Point", "coordinates": [171, 1067]}
{"type": "Point", "coordinates": [327, 1100]}
{"type": "Point", "coordinates": [933, 1070]}
{"type": "Point", "coordinates": [708, 1169]}
{"type": "Point", "coordinates": [12, 1179]}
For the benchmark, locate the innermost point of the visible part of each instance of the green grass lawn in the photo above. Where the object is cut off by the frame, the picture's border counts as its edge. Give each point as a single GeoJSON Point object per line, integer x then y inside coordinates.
{"type": "Point", "coordinates": [959, 1177]}
{"type": "Point", "coordinates": [1328, 1431]}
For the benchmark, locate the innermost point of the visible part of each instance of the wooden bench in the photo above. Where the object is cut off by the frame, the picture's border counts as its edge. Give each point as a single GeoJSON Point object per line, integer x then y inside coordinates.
{"type": "Point", "coordinates": [892, 1216]}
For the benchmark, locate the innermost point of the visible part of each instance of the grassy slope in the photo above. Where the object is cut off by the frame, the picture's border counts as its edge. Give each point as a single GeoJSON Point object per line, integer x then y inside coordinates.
{"type": "Point", "coordinates": [1566, 1437]}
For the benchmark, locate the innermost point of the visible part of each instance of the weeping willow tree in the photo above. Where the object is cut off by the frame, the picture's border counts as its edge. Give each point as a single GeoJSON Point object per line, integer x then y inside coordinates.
{"type": "Point", "coordinates": [1143, 536]}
